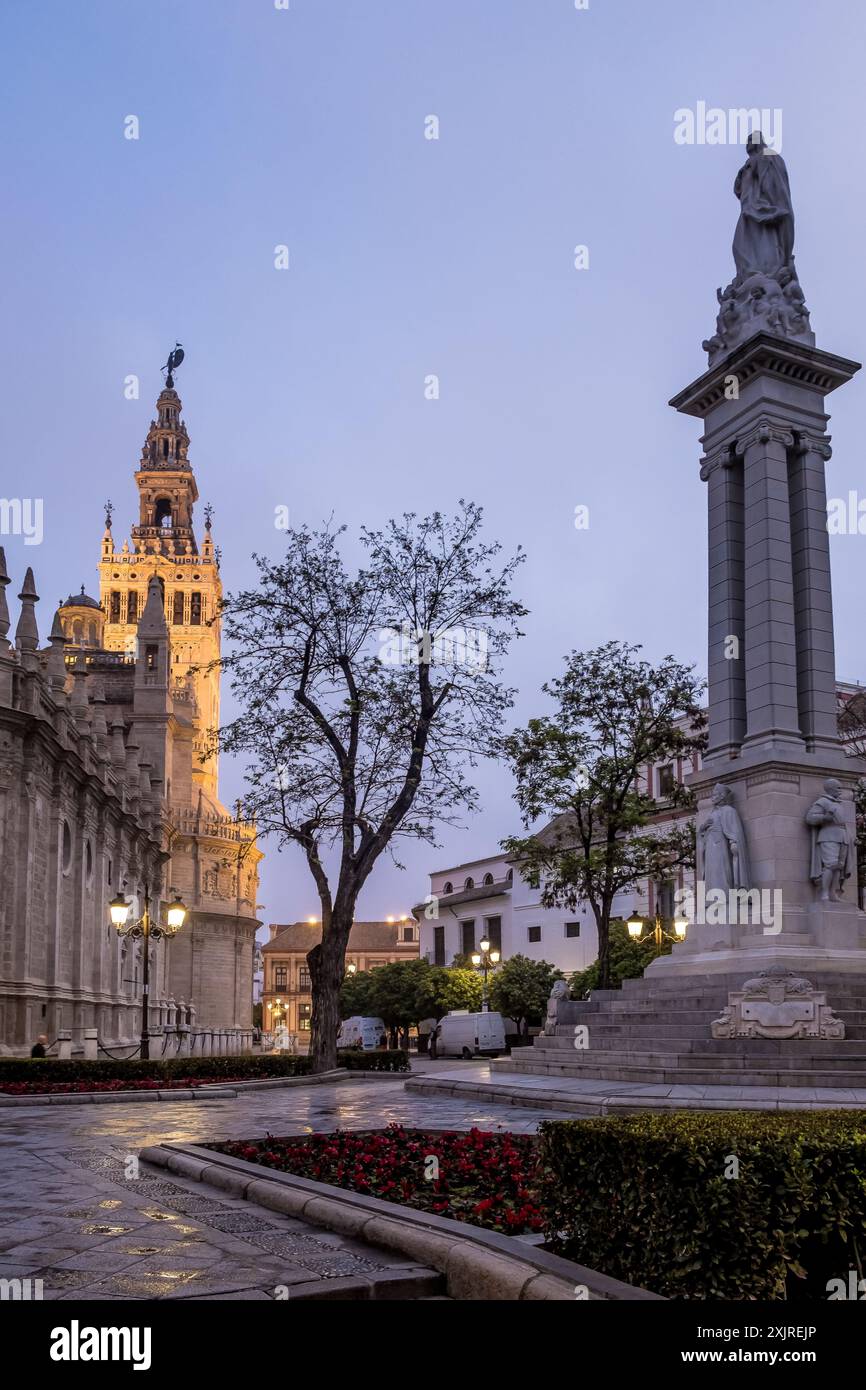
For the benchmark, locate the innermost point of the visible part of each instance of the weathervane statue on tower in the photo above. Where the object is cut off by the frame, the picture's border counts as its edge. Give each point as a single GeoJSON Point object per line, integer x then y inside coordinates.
{"type": "Point", "coordinates": [175, 357]}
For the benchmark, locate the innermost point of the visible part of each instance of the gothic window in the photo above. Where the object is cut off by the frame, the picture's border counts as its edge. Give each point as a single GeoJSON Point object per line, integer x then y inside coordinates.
{"type": "Point", "coordinates": [177, 615]}
{"type": "Point", "coordinates": [195, 609]}
{"type": "Point", "coordinates": [132, 606]}
{"type": "Point", "coordinates": [114, 611]}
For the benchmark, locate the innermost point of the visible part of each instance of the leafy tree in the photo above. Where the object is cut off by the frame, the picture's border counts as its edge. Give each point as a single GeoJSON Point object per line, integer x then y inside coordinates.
{"type": "Point", "coordinates": [580, 768]}
{"type": "Point", "coordinates": [356, 996]}
{"type": "Point", "coordinates": [520, 989]}
{"type": "Point", "coordinates": [366, 701]}
{"type": "Point", "coordinates": [449, 988]}
{"type": "Point", "coordinates": [396, 991]}
{"type": "Point", "coordinates": [628, 960]}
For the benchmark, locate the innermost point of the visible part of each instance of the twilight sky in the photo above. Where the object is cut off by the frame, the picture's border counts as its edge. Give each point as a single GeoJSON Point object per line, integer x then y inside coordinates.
{"type": "Point", "coordinates": [408, 257]}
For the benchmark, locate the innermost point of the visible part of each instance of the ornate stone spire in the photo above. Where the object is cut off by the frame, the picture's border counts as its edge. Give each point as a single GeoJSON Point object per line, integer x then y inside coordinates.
{"type": "Point", "coordinates": [27, 633]}
{"type": "Point", "coordinates": [118, 748]}
{"type": "Point", "coordinates": [57, 660]}
{"type": "Point", "coordinates": [765, 294]}
{"type": "Point", "coordinates": [98, 724]}
{"type": "Point", "coordinates": [4, 606]}
{"type": "Point", "coordinates": [80, 706]}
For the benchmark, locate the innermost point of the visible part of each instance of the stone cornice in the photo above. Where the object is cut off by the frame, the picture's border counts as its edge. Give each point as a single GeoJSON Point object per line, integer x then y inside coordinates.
{"type": "Point", "coordinates": [788, 362]}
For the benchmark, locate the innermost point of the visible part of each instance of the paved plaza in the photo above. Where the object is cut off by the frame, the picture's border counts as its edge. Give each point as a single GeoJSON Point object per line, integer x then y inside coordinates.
{"type": "Point", "coordinates": [75, 1213]}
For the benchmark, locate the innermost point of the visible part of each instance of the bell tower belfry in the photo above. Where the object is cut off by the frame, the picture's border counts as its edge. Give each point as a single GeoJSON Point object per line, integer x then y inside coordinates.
{"type": "Point", "coordinates": [164, 543]}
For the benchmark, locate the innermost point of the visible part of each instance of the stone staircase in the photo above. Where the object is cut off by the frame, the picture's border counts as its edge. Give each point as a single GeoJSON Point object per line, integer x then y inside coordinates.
{"type": "Point", "coordinates": [659, 1032]}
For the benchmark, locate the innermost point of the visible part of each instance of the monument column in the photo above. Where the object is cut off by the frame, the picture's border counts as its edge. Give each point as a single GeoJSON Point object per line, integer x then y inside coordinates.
{"type": "Point", "coordinates": [775, 793]}
{"type": "Point", "coordinates": [813, 602]}
{"type": "Point", "coordinates": [723, 475]}
{"type": "Point", "coordinates": [770, 652]}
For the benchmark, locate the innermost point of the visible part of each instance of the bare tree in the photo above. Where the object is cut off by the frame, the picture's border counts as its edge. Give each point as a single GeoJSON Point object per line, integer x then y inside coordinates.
{"type": "Point", "coordinates": [366, 701]}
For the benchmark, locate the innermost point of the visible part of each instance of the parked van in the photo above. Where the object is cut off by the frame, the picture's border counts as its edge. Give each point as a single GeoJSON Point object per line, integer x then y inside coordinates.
{"type": "Point", "coordinates": [365, 1033]}
{"type": "Point", "coordinates": [462, 1034]}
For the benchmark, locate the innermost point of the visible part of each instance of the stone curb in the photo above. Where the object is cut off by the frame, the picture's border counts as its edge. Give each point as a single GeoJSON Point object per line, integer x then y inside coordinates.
{"type": "Point", "coordinates": [615, 1103]}
{"type": "Point", "coordinates": [215, 1090]}
{"type": "Point", "coordinates": [477, 1264]}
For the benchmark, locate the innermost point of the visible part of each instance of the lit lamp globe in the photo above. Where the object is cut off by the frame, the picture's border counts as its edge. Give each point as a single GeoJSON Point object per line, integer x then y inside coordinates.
{"type": "Point", "coordinates": [351, 967]}
{"type": "Point", "coordinates": [635, 926]}
{"type": "Point", "coordinates": [494, 957]}
{"type": "Point", "coordinates": [119, 910]}
{"type": "Point", "coordinates": [681, 926]}
{"type": "Point", "coordinates": [176, 914]}
{"type": "Point", "coordinates": [484, 945]}
{"type": "Point", "coordinates": [476, 959]}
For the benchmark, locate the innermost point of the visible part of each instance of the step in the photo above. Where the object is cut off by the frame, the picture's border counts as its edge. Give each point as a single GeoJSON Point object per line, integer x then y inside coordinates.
{"type": "Point", "coordinates": [851, 1080]}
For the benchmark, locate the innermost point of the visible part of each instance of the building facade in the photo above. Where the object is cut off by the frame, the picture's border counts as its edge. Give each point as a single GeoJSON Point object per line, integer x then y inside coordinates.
{"type": "Point", "coordinates": [287, 998]}
{"type": "Point", "coordinates": [109, 783]}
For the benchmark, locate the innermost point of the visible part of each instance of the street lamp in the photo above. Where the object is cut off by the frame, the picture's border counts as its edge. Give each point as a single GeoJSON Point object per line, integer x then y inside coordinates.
{"type": "Point", "coordinates": [144, 930]}
{"type": "Point", "coordinates": [351, 968]}
{"type": "Point", "coordinates": [486, 961]}
{"type": "Point", "coordinates": [634, 926]}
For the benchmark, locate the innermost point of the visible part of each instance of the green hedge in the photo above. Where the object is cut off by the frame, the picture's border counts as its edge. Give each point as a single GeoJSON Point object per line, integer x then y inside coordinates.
{"type": "Point", "coordinates": [213, 1068]}
{"type": "Point", "coordinates": [114, 1069]}
{"type": "Point", "coordinates": [644, 1198]}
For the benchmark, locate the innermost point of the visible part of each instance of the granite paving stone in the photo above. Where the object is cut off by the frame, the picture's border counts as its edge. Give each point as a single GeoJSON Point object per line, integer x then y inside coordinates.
{"type": "Point", "coordinates": [83, 1215]}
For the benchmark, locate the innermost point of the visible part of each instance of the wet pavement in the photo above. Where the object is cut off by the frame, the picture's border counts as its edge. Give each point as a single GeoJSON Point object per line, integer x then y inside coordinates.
{"type": "Point", "coordinates": [79, 1212]}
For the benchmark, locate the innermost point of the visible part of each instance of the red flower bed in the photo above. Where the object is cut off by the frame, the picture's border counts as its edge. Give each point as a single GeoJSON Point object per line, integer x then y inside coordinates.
{"type": "Point", "coordinates": [487, 1179]}
{"type": "Point", "coordinates": [65, 1088]}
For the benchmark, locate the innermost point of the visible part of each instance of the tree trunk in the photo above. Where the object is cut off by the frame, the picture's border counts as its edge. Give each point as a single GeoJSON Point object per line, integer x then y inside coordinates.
{"type": "Point", "coordinates": [327, 962]}
{"type": "Point", "coordinates": [603, 926]}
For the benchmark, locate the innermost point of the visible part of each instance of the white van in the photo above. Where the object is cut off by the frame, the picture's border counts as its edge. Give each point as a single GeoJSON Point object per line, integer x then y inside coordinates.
{"type": "Point", "coordinates": [365, 1033]}
{"type": "Point", "coordinates": [462, 1034]}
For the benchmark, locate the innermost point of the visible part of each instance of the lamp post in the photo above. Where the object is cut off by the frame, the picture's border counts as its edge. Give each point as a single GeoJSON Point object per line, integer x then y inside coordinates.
{"type": "Point", "coordinates": [143, 930]}
{"type": "Point", "coordinates": [658, 934]}
{"type": "Point", "coordinates": [485, 960]}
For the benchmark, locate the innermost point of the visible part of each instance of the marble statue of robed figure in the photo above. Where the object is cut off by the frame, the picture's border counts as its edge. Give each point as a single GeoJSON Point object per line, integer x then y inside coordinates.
{"type": "Point", "coordinates": [722, 852]}
{"type": "Point", "coordinates": [764, 237]}
{"type": "Point", "coordinates": [765, 294]}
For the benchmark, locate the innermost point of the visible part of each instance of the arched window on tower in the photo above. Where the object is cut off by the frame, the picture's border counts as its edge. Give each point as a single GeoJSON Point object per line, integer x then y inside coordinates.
{"type": "Point", "coordinates": [162, 512]}
{"type": "Point", "coordinates": [195, 609]}
{"type": "Point", "coordinates": [114, 606]}
{"type": "Point", "coordinates": [177, 608]}
{"type": "Point", "coordinates": [132, 606]}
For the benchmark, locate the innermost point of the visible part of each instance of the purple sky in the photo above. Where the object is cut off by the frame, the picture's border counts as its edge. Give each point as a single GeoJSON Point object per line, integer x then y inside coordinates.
{"type": "Point", "coordinates": [410, 257]}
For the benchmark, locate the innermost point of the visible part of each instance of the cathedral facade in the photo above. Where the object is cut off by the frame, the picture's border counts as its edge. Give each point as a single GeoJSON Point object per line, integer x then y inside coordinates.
{"type": "Point", "coordinates": [109, 783]}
